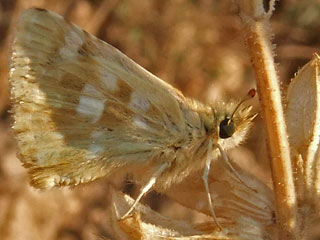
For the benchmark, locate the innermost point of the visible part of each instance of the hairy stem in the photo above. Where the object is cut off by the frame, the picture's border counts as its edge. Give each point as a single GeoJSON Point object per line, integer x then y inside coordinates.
{"type": "Point", "coordinates": [256, 21]}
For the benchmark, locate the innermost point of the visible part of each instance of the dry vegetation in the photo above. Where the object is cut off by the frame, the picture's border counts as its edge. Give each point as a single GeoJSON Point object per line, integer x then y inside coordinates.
{"type": "Point", "coordinates": [197, 46]}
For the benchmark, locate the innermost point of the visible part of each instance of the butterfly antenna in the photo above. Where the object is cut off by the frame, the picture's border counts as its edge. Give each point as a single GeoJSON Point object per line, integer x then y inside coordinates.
{"type": "Point", "coordinates": [250, 95]}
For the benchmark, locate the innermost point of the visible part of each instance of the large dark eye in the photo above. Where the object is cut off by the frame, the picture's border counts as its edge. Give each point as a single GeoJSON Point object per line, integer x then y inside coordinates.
{"type": "Point", "coordinates": [226, 128]}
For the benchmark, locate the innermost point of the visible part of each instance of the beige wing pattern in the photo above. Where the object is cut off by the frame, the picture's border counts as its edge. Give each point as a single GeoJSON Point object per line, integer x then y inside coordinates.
{"type": "Point", "coordinates": [82, 108]}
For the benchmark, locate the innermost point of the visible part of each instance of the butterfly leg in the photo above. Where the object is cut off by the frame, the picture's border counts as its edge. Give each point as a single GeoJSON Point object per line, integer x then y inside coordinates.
{"type": "Point", "coordinates": [226, 158]}
{"type": "Point", "coordinates": [146, 188]}
{"type": "Point", "coordinates": [205, 180]}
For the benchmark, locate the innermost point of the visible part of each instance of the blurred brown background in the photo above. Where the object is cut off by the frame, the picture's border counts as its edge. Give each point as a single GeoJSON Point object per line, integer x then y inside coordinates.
{"type": "Point", "coordinates": [196, 45]}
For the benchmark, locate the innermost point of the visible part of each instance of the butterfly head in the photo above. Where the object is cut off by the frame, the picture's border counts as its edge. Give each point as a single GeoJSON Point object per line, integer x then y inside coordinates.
{"type": "Point", "coordinates": [231, 122]}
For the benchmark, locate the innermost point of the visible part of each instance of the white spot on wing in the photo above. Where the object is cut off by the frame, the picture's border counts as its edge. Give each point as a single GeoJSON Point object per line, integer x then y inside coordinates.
{"type": "Point", "coordinates": [109, 81]}
{"type": "Point", "coordinates": [89, 104]}
{"type": "Point", "coordinates": [91, 90]}
{"type": "Point", "coordinates": [95, 147]}
{"type": "Point", "coordinates": [139, 102]}
{"type": "Point", "coordinates": [140, 123]}
{"type": "Point", "coordinates": [56, 135]}
{"type": "Point", "coordinates": [72, 43]}
{"type": "Point", "coordinates": [90, 107]}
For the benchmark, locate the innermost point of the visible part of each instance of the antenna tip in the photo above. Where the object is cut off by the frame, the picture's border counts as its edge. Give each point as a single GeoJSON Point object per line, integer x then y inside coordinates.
{"type": "Point", "coordinates": [252, 92]}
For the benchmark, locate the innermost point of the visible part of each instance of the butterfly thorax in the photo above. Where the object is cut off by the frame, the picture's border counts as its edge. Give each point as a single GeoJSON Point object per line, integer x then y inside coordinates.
{"type": "Point", "coordinates": [204, 123]}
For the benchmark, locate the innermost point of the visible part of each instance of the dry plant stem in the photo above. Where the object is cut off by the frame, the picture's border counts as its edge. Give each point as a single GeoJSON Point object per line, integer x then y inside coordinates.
{"type": "Point", "coordinates": [269, 94]}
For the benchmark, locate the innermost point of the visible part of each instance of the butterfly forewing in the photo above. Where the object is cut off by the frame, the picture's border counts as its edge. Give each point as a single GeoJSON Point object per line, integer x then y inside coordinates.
{"type": "Point", "coordinates": [82, 108]}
